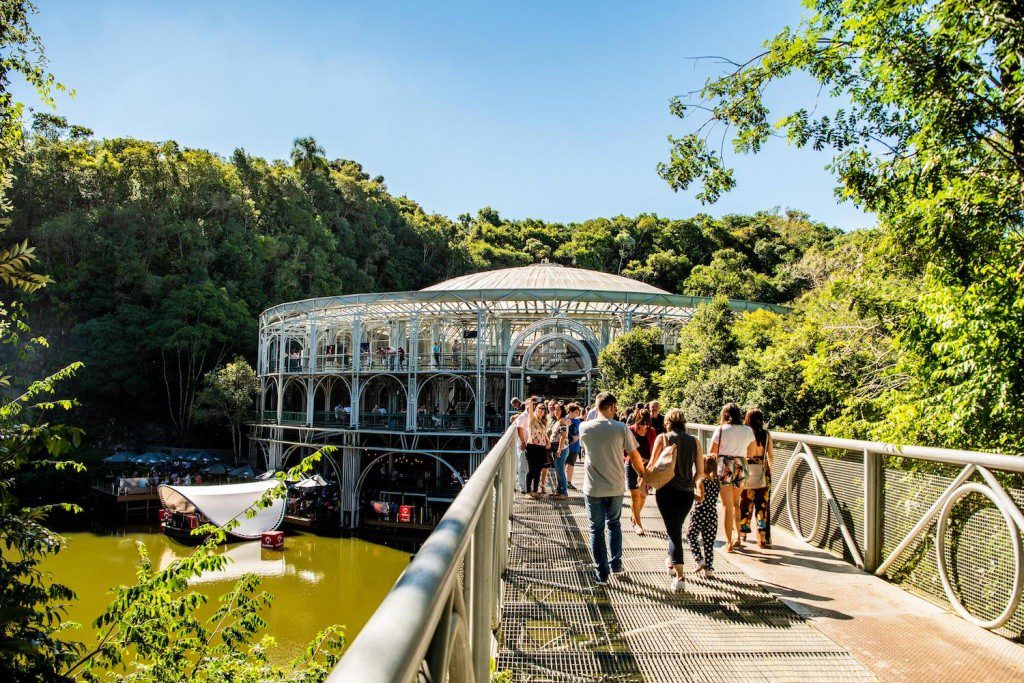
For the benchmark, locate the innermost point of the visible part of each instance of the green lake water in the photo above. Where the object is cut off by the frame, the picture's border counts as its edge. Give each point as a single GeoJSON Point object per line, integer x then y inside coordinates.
{"type": "Point", "coordinates": [316, 581]}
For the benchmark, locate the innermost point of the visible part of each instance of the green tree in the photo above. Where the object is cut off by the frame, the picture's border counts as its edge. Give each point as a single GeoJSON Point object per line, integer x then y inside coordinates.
{"type": "Point", "coordinates": [32, 604]}
{"type": "Point", "coordinates": [700, 375]}
{"type": "Point", "coordinates": [630, 363]}
{"type": "Point", "coordinates": [229, 396]}
{"type": "Point", "coordinates": [925, 129]}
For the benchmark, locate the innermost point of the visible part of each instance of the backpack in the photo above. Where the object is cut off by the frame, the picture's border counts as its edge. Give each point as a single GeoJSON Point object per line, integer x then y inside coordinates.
{"type": "Point", "coordinates": [664, 470]}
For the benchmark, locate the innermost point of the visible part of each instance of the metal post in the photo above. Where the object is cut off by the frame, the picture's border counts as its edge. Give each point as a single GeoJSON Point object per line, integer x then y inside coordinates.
{"type": "Point", "coordinates": [310, 405]}
{"type": "Point", "coordinates": [482, 591]}
{"type": "Point", "coordinates": [873, 510]}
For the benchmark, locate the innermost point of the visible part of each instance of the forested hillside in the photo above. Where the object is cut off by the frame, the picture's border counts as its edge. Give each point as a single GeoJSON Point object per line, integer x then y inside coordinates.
{"type": "Point", "coordinates": [162, 257]}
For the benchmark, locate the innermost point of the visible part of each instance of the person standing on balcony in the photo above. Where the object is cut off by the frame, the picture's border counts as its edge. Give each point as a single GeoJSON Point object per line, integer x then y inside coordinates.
{"type": "Point", "coordinates": [675, 497]}
{"type": "Point", "coordinates": [436, 350]}
{"type": "Point", "coordinates": [521, 422]}
{"type": "Point", "coordinates": [574, 443]}
{"type": "Point", "coordinates": [401, 358]}
{"type": "Point", "coordinates": [558, 433]}
{"type": "Point", "coordinates": [754, 499]}
{"type": "Point", "coordinates": [604, 483]}
{"type": "Point", "coordinates": [536, 449]}
{"type": "Point", "coordinates": [732, 443]}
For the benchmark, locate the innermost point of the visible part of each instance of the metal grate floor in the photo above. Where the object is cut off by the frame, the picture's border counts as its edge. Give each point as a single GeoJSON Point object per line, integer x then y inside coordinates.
{"type": "Point", "coordinates": [558, 624]}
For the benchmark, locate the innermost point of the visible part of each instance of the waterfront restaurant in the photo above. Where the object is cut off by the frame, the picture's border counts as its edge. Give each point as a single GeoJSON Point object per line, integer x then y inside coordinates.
{"type": "Point", "coordinates": [414, 387]}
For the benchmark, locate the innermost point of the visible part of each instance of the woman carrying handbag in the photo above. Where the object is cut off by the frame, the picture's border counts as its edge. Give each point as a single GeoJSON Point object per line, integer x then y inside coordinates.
{"type": "Point", "coordinates": [676, 464]}
{"type": "Point", "coordinates": [755, 498]}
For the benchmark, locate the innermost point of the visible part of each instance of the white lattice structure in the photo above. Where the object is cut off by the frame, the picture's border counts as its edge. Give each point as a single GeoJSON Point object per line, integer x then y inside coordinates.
{"type": "Point", "coordinates": [461, 350]}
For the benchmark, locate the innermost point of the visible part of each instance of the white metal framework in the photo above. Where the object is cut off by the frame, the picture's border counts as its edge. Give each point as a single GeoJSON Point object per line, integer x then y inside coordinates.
{"type": "Point", "coordinates": [417, 370]}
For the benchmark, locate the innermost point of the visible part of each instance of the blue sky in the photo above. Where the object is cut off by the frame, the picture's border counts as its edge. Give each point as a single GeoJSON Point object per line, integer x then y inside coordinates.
{"type": "Point", "coordinates": [551, 110]}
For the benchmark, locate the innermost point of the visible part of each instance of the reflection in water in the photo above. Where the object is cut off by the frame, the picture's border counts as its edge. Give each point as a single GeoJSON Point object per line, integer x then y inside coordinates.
{"type": "Point", "coordinates": [316, 581]}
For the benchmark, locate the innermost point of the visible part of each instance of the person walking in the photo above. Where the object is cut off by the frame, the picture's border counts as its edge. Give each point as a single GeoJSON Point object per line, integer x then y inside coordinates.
{"type": "Point", "coordinates": [536, 449]}
{"type": "Point", "coordinates": [645, 436]}
{"type": "Point", "coordinates": [732, 443]}
{"type": "Point", "coordinates": [605, 440]}
{"type": "Point", "coordinates": [700, 535]}
{"type": "Point", "coordinates": [558, 435]}
{"type": "Point", "coordinates": [675, 498]}
{"type": "Point", "coordinates": [657, 417]}
{"type": "Point", "coordinates": [574, 443]}
{"type": "Point", "coordinates": [755, 497]}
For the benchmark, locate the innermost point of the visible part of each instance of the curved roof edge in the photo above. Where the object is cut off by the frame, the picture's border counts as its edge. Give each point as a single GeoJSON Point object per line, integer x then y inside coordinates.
{"type": "Point", "coordinates": [281, 311]}
{"type": "Point", "coordinates": [544, 275]}
{"type": "Point", "coordinates": [226, 502]}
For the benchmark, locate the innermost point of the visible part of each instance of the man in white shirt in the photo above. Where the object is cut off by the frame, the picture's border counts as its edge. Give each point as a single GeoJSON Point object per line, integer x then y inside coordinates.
{"type": "Point", "coordinates": [522, 425]}
{"type": "Point", "coordinates": [604, 483]}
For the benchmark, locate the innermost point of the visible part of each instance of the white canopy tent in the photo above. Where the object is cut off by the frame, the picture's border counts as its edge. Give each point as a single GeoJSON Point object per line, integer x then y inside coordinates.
{"type": "Point", "coordinates": [221, 504]}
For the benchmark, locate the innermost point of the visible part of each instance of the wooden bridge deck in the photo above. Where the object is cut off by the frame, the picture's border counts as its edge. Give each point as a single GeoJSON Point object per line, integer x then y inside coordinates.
{"type": "Point", "coordinates": [558, 624]}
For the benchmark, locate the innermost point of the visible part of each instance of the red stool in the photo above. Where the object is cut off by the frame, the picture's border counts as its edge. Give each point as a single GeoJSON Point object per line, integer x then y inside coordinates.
{"type": "Point", "coordinates": [272, 540]}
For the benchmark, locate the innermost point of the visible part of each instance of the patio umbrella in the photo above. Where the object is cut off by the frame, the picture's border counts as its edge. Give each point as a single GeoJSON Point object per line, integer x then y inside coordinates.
{"type": "Point", "coordinates": [244, 472]}
{"type": "Point", "coordinates": [216, 468]}
{"type": "Point", "coordinates": [120, 458]}
{"type": "Point", "coordinates": [151, 458]}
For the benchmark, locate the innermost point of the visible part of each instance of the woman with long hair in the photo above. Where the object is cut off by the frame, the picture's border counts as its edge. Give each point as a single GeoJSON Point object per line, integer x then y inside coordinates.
{"type": "Point", "coordinates": [558, 445]}
{"type": "Point", "coordinates": [755, 497]}
{"type": "Point", "coordinates": [732, 443]}
{"type": "Point", "coordinates": [644, 433]}
{"type": "Point", "coordinates": [536, 449]}
{"type": "Point", "coordinates": [675, 497]}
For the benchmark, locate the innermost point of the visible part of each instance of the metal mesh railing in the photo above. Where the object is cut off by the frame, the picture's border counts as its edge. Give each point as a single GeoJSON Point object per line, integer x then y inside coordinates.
{"type": "Point", "coordinates": [882, 507]}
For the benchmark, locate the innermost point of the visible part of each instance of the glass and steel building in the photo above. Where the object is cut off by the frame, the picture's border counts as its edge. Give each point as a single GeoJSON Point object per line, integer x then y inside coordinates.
{"type": "Point", "coordinates": [414, 387]}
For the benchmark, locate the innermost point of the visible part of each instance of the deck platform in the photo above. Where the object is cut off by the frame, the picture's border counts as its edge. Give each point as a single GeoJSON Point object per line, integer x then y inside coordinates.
{"type": "Point", "coordinates": [558, 624]}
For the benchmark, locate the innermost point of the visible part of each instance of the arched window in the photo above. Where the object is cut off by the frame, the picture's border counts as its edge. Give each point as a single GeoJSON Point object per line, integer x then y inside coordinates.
{"type": "Point", "coordinates": [382, 403]}
{"type": "Point", "coordinates": [293, 406]}
{"type": "Point", "coordinates": [445, 402]}
{"type": "Point", "coordinates": [557, 355]}
{"type": "Point", "coordinates": [332, 402]}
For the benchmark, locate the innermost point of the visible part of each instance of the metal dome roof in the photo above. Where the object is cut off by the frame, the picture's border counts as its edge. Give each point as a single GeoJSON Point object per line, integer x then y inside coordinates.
{"type": "Point", "coordinates": [544, 276]}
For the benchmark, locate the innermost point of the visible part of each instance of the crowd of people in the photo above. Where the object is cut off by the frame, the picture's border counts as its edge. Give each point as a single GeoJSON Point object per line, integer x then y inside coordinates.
{"type": "Point", "coordinates": [641, 449]}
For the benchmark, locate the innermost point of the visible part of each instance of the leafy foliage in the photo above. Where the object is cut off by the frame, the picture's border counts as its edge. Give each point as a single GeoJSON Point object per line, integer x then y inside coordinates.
{"type": "Point", "coordinates": [151, 630]}
{"type": "Point", "coordinates": [921, 107]}
{"type": "Point", "coordinates": [630, 363]}
{"type": "Point", "coordinates": [229, 396]}
{"type": "Point", "coordinates": [164, 256]}
{"type": "Point", "coordinates": [32, 604]}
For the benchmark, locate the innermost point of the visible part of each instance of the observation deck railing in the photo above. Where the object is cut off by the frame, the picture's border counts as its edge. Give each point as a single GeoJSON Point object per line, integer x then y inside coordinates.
{"type": "Point", "coordinates": [943, 523]}
{"type": "Point", "coordinates": [437, 621]}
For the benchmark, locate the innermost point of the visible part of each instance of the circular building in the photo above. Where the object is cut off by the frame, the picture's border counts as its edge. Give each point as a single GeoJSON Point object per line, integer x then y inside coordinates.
{"type": "Point", "coordinates": [414, 387]}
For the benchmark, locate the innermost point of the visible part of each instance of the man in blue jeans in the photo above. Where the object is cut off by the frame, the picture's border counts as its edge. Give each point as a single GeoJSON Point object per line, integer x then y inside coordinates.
{"type": "Point", "coordinates": [606, 440]}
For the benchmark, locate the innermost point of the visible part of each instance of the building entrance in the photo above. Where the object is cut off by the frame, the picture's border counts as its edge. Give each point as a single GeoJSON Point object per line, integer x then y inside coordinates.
{"type": "Point", "coordinates": [559, 387]}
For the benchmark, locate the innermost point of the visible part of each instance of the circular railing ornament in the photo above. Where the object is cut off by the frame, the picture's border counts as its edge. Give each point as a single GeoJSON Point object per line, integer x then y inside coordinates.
{"type": "Point", "coordinates": [940, 556]}
{"type": "Point", "coordinates": [797, 457]}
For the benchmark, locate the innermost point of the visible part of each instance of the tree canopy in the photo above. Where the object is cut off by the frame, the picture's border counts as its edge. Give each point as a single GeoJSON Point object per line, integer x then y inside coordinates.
{"type": "Point", "coordinates": [921, 108]}
{"type": "Point", "coordinates": [163, 256]}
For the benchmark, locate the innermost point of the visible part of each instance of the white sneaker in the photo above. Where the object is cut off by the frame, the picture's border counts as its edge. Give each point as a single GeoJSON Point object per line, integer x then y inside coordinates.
{"type": "Point", "coordinates": [678, 585]}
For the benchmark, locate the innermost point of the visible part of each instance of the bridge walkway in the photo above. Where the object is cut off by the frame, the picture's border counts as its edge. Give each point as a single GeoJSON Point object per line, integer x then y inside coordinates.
{"type": "Point", "coordinates": [558, 624]}
{"type": "Point", "coordinates": [794, 613]}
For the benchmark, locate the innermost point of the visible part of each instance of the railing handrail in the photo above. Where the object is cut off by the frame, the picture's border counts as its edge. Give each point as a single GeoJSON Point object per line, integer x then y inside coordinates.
{"type": "Point", "coordinates": [394, 642]}
{"type": "Point", "coordinates": [952, 456]}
